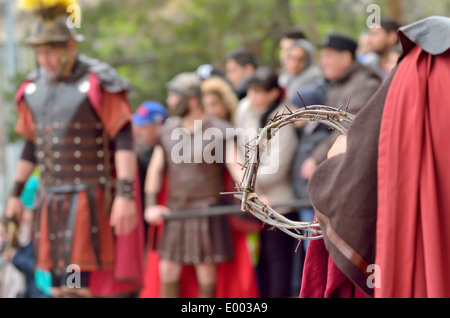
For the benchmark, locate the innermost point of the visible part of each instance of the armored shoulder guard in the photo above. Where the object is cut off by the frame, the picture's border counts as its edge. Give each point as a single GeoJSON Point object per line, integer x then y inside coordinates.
{"type": "Point", "coordinates": [107, 76]}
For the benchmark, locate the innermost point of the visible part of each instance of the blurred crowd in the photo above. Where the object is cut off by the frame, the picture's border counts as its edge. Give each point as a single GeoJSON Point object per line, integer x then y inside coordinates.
{"type": "Point", "coordinates": [340, 72]}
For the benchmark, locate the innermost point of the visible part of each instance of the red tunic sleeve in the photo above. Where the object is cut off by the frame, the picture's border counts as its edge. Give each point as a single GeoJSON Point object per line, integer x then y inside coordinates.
{"type": "Point", "coordinates": [115, 112]}
{"type": "Point", "coordinates": [25, 125]}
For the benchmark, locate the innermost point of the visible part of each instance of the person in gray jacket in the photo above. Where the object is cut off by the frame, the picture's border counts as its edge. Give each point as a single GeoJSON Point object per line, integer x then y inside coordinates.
{"type": "Point", "coordinates": [351, 86]}
{"type": "Point", "coordinates": [300, 65]}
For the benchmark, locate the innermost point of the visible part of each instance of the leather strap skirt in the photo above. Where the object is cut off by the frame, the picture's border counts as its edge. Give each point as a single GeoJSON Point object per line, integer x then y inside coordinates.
{"type": "Point", "coordinates": [197, 240]}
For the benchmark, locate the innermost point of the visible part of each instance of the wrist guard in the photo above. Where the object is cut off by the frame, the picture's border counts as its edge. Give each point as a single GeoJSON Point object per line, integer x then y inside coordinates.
{"type": "Point", "coordinates": [17, 189]}
{"type": "Point", "coordinates": [150, 199]}
{"type": "Point", "coordinates": [125, 188]}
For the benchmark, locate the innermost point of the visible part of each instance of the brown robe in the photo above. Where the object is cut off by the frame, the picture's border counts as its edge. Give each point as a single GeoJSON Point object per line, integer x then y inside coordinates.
{"type": "Point", "coordinates": [344, 195]}
{"type": "Point", "coordinates": [366, 216]}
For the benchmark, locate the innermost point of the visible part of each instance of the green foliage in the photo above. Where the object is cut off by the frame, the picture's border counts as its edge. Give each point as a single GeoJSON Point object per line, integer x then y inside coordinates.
{"type": "Point", "coordinates": [9, 92]}
{"type": "Point", "coordinates": [150, 41]}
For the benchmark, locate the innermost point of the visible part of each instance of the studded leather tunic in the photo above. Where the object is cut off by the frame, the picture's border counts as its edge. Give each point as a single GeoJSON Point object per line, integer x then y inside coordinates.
{"type": "Point", "coordinates": [69, 137]}
{"type": "Point", "coordinates": [195, 171]}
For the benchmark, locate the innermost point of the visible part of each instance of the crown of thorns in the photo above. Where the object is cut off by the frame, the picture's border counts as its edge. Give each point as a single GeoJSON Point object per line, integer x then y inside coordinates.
{"type": "Point", "coordinates": [333, 117]}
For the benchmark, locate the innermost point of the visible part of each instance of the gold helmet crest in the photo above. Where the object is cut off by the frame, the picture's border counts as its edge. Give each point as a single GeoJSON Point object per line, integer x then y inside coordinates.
{"type": "Point", "coordinates": [55, 20]}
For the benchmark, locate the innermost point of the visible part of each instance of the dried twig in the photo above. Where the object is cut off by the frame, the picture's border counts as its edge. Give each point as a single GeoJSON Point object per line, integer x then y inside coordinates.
{"type": "Point", "coordinates": [334, 118]}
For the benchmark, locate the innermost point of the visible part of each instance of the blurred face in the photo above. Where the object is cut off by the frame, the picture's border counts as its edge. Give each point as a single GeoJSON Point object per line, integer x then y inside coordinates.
{"type": "Point", "coordinates": [177, 104]}
{"type": "Point", "coordinates": [236, 73]}
{"type": "Point", "coordinates": [364, 44]}
{"type": "Point", "coordinates": [285, 44]}
{"type": "Point", "coordinates": [57, 60]}
{"type": "Point", "coordinates": [145, 135]}
{"type": "Point", "coordinates": [214, 106]}
{"type": "Point", "coordinates": [173, 99]}
{"type": "Point", "coordinates": [296, 60]}
{"type": "Point", "coordinates": [380, 40]}
{"type": "Point", "coordinates": [334, 63]}
{"type": "Point", "coordinates": [260, 98]}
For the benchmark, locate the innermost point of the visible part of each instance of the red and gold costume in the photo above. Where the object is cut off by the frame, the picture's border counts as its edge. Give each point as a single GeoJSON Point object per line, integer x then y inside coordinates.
{"type": "Point", "coordinates": [73, 125]}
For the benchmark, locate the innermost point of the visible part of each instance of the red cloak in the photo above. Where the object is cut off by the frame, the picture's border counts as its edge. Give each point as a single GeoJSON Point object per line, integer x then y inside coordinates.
{"type": "Point", "coordinates": [323, 279]}
{"type": "Point", "coordinates": [413, 217]}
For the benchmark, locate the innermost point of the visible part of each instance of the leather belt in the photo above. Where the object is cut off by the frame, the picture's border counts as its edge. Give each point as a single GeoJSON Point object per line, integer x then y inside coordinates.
{"type": "Point", "coordinates": [70, 228]}
{"type": "Point", "coordinates": [75, 125]}
{"type": "Point", "coordinates": [73, 190]}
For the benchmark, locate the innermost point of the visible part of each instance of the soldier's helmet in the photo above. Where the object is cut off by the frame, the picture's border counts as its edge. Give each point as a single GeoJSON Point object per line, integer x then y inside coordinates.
{"type": "Point", "coordinates": [186, 83]}
{"type": "Point", "coordinates": [54, 21]}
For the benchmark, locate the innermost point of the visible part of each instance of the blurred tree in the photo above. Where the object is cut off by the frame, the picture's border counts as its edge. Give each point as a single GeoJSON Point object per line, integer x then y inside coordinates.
{"type": "Point", "coordinates": [9, 92]}
{"type": "Point", "coordinates": [150, 41]}
{"type": "Point", "coordinates": [396, 10]}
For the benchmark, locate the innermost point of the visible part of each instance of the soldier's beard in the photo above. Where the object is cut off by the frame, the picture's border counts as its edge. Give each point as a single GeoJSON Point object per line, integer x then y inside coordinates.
{"type": "Point", "coordinates": [181, 109]}
{"type": "Point", "coordinates": [66, 63]}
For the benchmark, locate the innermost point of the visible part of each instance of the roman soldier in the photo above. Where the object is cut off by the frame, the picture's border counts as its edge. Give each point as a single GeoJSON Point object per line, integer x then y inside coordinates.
{"type": "Point", "coordinates": [204, 242]}
{"type": "Point", "coordinates": [76, 119]}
